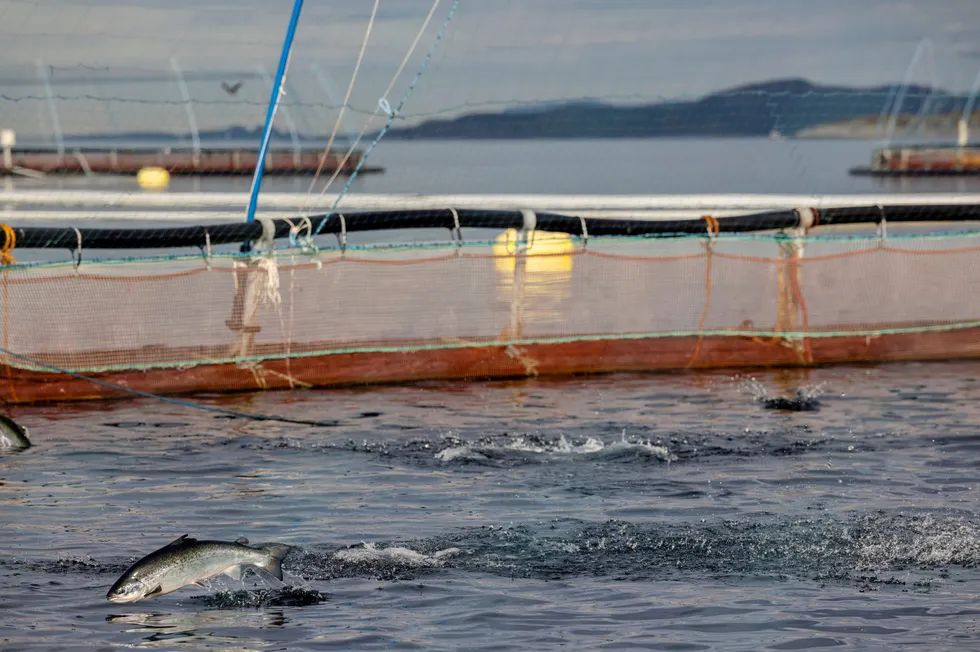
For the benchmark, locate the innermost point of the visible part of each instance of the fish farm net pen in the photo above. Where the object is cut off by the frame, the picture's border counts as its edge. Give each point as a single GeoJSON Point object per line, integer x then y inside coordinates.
{"type": "Point", "coordinates": [548, 293]}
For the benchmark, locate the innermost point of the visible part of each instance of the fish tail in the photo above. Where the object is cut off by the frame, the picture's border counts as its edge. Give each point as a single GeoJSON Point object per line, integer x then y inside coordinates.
{"type": "Point", "coordinates": [273, 564]}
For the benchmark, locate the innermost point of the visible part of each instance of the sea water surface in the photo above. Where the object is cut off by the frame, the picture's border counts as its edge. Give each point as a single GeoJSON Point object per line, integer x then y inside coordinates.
{"type": "Point", "coordinates": [659, 166]}
{"type": "Point", "coordinates": [648, 511]}
{"type": "Point", "coordinates": [660, 511]}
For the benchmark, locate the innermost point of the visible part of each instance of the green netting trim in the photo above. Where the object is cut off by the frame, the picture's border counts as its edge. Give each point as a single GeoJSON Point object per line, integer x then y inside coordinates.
{"type": "Point", "coordinates": [799, 335]}
{"type": "Point", "coordinates": [449, 245]}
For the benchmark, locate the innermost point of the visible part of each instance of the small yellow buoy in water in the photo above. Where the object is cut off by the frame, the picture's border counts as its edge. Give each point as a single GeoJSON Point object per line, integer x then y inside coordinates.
{"type": "Point", "coordinates": [153, 178]}
{"type": "Point", "coordinates": [547, 253]}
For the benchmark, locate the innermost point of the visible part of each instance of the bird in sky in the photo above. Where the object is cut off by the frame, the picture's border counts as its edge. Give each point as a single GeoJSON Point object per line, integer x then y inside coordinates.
{"type": "Point", "coordinates": [231, 89]}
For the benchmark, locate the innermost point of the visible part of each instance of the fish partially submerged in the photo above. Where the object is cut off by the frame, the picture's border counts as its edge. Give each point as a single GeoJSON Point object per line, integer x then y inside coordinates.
{"type": "Point", "coordinates": [800, 402]}
{"type": "Point", "coordinates": [12, 434]}
{"type": "Point", "coordinates": [188, 561]}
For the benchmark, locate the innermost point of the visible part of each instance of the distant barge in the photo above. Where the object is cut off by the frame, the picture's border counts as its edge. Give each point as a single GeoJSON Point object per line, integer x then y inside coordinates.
{"type": "Point", "coordinates": [923, 160]}
{"type": "Point", "coordinates": [175, 161]}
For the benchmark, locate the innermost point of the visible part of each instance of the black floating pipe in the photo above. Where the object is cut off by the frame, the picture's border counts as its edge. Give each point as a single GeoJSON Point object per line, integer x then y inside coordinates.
{"type": "Point", "coordinates": [217, 234]}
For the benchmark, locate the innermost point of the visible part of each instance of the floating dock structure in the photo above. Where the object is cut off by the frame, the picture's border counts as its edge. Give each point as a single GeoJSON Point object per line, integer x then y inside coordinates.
{"type": "Point", "coordinates": [935, 159]}
{"type": "Point", "coordinates": [224, 161]}
{"type": "Point", "coordinates": [923, 160]}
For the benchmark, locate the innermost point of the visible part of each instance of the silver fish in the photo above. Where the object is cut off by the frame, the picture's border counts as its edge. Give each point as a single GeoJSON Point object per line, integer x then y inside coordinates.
{"type": "Point", "coordinates": [188, 561]}
{"type": "Point", "coordinates": [12, 434]}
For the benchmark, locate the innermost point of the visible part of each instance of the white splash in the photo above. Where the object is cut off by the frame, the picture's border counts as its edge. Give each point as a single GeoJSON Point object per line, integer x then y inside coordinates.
{"type": "Point", "coordinates": [561, 446]}
{"type": "Point", "coordinates": [643, 445]}
{"type": "Point", "coordinates": [459, 453]}
{"type": "Point", "coordinates": [761, 393]}
{"type": "Point", "coordinates": [396, 555]}
{"type": "Point", "coordinates": [922, 541]}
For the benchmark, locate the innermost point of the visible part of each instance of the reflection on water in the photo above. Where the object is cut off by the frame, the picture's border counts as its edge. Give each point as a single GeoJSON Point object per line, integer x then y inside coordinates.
{"type": "Point", "coordinates": [534, 278]}
{"type": "Point", "coordinates": [634, 510]}
{"type": "Point", "coordinates": [192, 629]}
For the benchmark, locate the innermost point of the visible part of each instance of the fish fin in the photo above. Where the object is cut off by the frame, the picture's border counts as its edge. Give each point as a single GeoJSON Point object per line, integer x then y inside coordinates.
{"type": "Point", "coordinates": [201, 584]}
{"type": "Point", "coordinates": [235, 572]}
{"type": "Point", "coordinates": [184, 540]}
{"type": "Point", "coordinates": [241, 541]}
{"type": "Point", "coordinates": [273, 565]}
{"type": "Point", "coordinates": [156, 591]}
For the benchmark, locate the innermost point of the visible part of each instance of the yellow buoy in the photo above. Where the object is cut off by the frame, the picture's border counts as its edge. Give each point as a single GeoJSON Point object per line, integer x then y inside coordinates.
{"type": "Point", "coordinates": [153, 178]}
{"type": "Point", "coordinates": [547, 253]}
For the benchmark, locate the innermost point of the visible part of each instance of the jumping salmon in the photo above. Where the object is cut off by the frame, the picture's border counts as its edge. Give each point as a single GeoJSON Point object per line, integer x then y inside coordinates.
{"type": "Point", "coordinates": [188, 561]}
{"type": "Point", "coordinates": [12, 434]}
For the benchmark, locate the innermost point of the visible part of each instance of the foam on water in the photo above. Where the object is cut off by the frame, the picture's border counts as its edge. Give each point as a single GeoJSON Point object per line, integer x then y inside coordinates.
{"type": "Point", "coordinates": [490, 447]}
{"type": "Point", "coordinates": [286, 596]}
{"type": "Point", "coordinates": [369, 553]}
{"type": "Point", "coordinates": [510, 450]}
{"type": "Point", "coordinates": [924, 541]}
{"type": "Point", "coordinates": [819, 548]}
{"type": "Point", "coordinates": [803, 399]}
{"type": "Point", "coordinates": [530, 515]}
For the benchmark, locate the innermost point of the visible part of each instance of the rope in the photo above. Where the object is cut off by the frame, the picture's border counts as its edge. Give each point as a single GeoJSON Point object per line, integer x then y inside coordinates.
{"type": "Point", "coordinates": [713, 225]}
{"type": "Point", "coordinates": [383, 104]}
{"type": "Point", "coordinates": [165, 399]}
{"type": "Point", "coordinates": [713, 228]}
{"type": "Point", "coordinates": [6, 259]}
{"type": "Point", "coordinates": [350, 88]}
{"type": "Point", "coordinates": [882, 227]}
{"type": "Point", "coordinates": [77, 262]}
{"type": "Point", "coordinates": [391, 117]}
{"type": "Point", "coordinates": [266, 242]}
{"type": "Point", "coordinates": [307, 245]}
{"type": "Point", "coordinates": [456, 231]}
{"type": "Point", "coordinates": [9, 242]}
{"type": "Point", "coordinates": [342, 236]}
{"type": "Point", "coordinates": [798, 295]}
{"type": "Point", "coordinates": [206, 250]}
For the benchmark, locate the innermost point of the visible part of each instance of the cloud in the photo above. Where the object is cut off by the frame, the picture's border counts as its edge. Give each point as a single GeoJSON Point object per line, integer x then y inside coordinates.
{"type": "Point", "coordinates": [494, 51]}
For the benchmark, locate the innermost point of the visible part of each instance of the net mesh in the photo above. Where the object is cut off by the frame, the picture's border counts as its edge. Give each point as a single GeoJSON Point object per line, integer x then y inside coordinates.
{"type": "Point", "coordinates": [298, 320]}
{"type": "Point", "coordinates": [479, 104]}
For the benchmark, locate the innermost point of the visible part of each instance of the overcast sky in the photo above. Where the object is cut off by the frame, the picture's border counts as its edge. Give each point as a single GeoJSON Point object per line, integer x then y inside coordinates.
{"type": "Point", "coordinates": [496, 52]}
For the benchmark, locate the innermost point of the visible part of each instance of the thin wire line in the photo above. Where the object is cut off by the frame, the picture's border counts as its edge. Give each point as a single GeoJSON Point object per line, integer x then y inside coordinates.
{"type": "Point", "coordinates": [350, 88]}
{"type": "Point", "coordinates": [392, 114]}
{"type": "Point", "coordinates": [167, 399]}
{"type": "Point", "coordinates": [374, 115]}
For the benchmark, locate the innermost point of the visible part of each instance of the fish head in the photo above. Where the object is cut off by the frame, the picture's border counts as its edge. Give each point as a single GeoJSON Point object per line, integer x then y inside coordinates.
{"type": "Point", "coordinates": [128, 589]}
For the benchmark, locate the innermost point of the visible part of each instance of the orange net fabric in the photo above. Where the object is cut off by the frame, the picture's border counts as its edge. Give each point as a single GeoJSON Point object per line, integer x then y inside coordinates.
{"type": "Point", "coordinates": [407, 313]}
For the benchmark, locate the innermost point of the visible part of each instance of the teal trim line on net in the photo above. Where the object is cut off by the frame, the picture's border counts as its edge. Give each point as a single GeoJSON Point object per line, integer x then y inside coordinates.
{"type": "Point", "coordinates": [799, 335]}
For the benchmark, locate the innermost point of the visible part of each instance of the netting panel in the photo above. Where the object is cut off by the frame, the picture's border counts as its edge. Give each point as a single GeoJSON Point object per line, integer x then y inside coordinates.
{"type": "Point", "coordinates": [137, 314]}
{"type": "Point", "coordinates": [903, 284]}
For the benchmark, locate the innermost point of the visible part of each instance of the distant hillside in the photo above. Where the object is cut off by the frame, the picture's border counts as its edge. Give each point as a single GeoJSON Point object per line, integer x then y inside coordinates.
{"type": "Point", "coordinates": [792, 107]}
{"type": "Point", "coordinates": [942, 126]}
{"type": "Point", "coordinates": [233, 133]}
{"type": "Point", "coordinates": [788, 106]}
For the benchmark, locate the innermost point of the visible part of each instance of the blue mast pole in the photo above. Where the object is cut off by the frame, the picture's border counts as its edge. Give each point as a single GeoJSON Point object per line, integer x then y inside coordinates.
{"type": "Point", "coordinates": [287, 47]}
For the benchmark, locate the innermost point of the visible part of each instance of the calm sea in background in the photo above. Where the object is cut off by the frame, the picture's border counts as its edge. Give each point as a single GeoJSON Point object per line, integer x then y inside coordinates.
{"type": "Point", "coordinates": [655, 166]}
{"type": "Point", "coordinates": [631, 511]}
